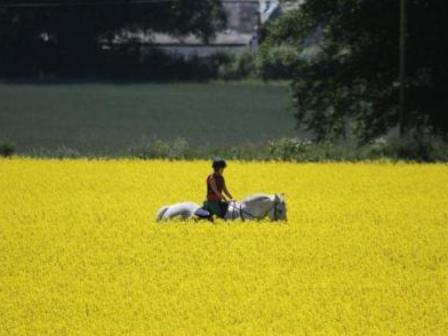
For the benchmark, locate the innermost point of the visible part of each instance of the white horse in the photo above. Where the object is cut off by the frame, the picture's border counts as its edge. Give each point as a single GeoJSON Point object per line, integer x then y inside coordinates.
{"type": "Point", "coordinates": [184, 210]}
{"type": "Point", "coordinates": [254, 207]}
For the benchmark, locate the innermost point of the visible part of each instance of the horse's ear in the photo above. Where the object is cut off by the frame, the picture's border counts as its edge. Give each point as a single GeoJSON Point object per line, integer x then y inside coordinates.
{"type": "Point", "coordinates": [280, 197]}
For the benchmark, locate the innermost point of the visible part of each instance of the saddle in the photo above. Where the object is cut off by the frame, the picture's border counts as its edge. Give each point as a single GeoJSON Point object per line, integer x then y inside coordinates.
{"type": "Point", "coordinates": [203, 213]}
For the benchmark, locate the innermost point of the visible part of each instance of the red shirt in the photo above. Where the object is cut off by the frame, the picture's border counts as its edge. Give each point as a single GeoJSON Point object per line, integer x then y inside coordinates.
{"type": "Point", "coordinates": [220, 183]}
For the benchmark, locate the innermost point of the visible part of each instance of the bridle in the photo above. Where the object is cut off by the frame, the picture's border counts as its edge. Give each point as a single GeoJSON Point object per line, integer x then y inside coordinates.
{"type": "Point", "coordinates": [274, 207]}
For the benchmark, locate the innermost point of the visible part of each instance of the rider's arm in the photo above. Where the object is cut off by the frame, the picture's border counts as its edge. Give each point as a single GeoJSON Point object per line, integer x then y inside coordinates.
{"type": "Point", "coordinates": [215, 188]}
{"type": "Point", "coordinates": [226, 191]}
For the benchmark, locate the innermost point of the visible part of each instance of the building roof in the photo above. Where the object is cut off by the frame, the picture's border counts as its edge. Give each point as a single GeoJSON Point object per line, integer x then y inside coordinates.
{"type": "Point", "coordinates": [268, 10]}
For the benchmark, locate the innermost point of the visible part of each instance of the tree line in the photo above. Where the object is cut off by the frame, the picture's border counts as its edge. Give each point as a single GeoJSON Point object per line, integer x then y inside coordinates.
{"type": "Point", "coordinates": [346, 69]}
{"type": "Point", "coordinates": [342, 56]}
{"type": "Point", "coordinates": [69, 37]}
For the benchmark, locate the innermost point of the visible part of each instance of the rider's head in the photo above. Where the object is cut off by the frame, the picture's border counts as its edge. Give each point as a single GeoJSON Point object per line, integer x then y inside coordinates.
{"type": "Point", "coordinates": [219, 165]}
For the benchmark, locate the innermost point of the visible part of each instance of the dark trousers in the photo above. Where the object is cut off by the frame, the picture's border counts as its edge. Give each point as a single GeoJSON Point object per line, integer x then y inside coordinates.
{"type": "Point", "coordinates": [218, 208]}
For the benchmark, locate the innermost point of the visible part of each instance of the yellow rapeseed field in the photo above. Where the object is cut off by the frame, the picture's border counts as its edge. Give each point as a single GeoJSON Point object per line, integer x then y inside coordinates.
{"type": "Point", "coordinates": [365, 250]}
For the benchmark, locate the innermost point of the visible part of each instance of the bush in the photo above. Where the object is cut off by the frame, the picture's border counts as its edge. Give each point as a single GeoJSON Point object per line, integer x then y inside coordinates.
{"type": "Point", "coordinates": [7, 149]}
{"type": "Point", "coordinates": [234, 67]}
{"type": "Point", "coordinates": [60, 152]}
{"type": "Point", "coordinates": [276, 62]}
{"type": "Point", "coordinates": [159, 149]}
{"type": "Point", "coordinates": [424, 148]}
{"type": "Point", "coordinates": [289, 148]}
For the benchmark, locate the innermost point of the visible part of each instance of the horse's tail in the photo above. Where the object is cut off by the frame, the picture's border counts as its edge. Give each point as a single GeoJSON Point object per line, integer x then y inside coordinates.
{"type": "Point", "coordinates": [161, 212]}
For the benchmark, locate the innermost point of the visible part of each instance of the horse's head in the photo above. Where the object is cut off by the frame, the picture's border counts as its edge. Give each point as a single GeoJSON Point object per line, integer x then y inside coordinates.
{"type": "Point", "coordinates": [278, 211]}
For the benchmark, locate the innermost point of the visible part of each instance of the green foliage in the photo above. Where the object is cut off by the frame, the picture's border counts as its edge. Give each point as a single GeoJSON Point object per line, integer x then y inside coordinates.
{"type": "Point", "coordinates": [347, 75]}
{"type": "Point", "coordinates": [277, 62]}
{"type": "Point", "coordinates": [236, 67]}
{"type": "Point", "coordinates": [289, 148]}
{"type": "Point", "coordinates": [158, 149]}
{"type": "Point", "coordinates": [421, 148]}
{"type": "Point", "coordinates": [7, 148]}
{"type": "Point", "coordinates": [424, 148]}
{"type": "Point", "coordinates": [60, 152]}
{"type": "Point", "coordinates": [77, 39]}
{"type": "Point", "coordinates": [280, 52]}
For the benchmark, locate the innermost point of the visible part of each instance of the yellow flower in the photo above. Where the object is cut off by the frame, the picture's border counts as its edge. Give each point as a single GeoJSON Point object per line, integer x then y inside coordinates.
{"type": "Point", "coordinates": [364, 251]}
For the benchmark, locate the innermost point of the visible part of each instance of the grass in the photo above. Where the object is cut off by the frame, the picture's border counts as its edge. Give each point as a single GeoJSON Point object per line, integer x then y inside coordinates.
{"type": "Point", "coordinates": [108, 118]}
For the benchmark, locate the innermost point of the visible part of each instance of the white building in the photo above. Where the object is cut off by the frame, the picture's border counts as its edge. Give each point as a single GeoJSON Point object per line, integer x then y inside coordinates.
{"type": "Point", "coordinates": [240, 35]}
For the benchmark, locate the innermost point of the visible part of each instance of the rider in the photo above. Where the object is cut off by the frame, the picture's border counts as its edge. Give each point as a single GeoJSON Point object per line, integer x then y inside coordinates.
{"type": "Point", "coordinates": [216, 203]}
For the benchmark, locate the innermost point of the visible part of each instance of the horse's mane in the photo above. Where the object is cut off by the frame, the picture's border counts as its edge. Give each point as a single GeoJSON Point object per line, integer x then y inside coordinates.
{"type": "Point", "coordinates": [256, 197]}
